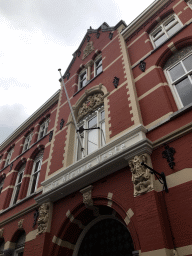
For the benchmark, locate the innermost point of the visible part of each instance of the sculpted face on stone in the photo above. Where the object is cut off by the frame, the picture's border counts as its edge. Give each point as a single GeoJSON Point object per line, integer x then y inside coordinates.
{"type": "Point", "coordinates": [20, 223]}
{"type": "Point", "coordinates": [141, 176]}
{"type": "Point", "coordinates": [87, 199]}
{"type": "Point", "coordinates": [43, 218]}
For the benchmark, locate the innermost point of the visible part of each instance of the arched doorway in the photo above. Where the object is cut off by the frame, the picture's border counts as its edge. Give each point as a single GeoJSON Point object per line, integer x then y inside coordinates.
{"type": "Point", "coordinates": [107, 237]}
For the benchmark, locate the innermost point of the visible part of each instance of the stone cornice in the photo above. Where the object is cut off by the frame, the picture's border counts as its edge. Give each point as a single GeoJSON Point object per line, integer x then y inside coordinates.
{"type": "Point", "coordinates": [103, 162]}
{"type": "Point", "coordinates": [19, 214]}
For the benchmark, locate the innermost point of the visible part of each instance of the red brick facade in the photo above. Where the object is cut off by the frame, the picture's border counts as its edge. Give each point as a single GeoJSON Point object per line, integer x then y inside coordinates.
{"type": "Point", "coordinates": [62, 197]}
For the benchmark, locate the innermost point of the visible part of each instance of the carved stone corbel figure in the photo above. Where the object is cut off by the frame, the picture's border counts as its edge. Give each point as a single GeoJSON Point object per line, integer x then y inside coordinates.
{"type": "Point", "coordinates": [141, 176]}
{"type": "Point", "coordinates": [42, 221]}
{"type": "Point", "coordinates": [20, 223]}
{"type": "Point", "coordinates": [1, 232]}
{"type": "Point", "coordinates": [88, 201]}
{"type": "Point", "coordinates": [87, 196]}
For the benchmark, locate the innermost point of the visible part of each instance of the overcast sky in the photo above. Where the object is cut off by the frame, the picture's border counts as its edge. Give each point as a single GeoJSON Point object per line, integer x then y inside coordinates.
{"type": "Point", "coordinates": [40, 36]}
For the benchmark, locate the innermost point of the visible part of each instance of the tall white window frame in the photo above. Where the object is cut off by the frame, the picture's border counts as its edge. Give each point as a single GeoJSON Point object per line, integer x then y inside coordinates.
{"type": "Point", "coordinates": [179, 77]}
{"type": "Point", "coordinates": [17, 186]}
{"type": "Point", "coordinates": [35, 174]}
{"type": "Point", "coordinates": [190, 3]}
{"type": "Point", "coordinates": [8, 159]}
{"type": "Point", "coordinates": [82, 79]}
{"type": "Point", "coordinates": [168, 27]}
{"type": "Point", "coordinates": [27, 142]}
{"type": "Point", "coordinates": [98, 66]}
{"type": "Point", "coordinates": [43, 129]}
{"type": "Point", "coordinates": [93, 139]}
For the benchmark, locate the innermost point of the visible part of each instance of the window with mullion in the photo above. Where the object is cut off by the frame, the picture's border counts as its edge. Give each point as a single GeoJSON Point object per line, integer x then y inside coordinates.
{"type": "Point", "coordinates": [180, 77]}
{"type": "Point", "coordinates": [82, 79]}
{"type": "Point", "coordinates": [165, 30]}
{"type": "Point", "coordinates": [17, 186]}
{"type": "Point", "coordinates": [92, 139]}
{"type": "Point", "coordinates": [43, 129]}
{"type": "Point", "coordinates": [27, 142]}
{"type": "Point", "coordinates": [98, 66]}
{"type": "Point", "coordinates": [35, 175]}
{"type": "Point", "coordinates": [8, 159]}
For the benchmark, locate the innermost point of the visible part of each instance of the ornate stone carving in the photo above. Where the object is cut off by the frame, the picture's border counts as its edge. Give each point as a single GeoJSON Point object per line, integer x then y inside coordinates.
{"type": "Point", "coordinates": [1, 232]}
{"type": "Point", "coordinates": [92, 102]}
{"type": "Point", "coordinates": [43, 218]}
{"type": "Point", "coordinates": [20, 223]}
{"type": "Point", "coordinates": [88, 49]}
{"type": "Point", "coordinates": [141, 176]}
{"type": "Point", "coordinates": [87, 196]}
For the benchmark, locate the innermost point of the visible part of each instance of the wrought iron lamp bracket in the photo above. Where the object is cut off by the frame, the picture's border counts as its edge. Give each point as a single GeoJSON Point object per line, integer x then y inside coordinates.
{"type": "Point", "coordinates": [161, 178]}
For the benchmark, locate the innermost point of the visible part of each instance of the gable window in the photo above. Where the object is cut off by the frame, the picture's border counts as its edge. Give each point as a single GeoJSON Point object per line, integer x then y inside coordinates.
{"type": "Point", "coordinates": [82, 79]}
{"type": "Point", "coordinates": [35, 173]}
{"type": "Point", "coordinates": [98, 66]}
{"type": "Point", "coordinates": [8, 159]}
{"type": "Point", "coordinates": [93, 138]}
{"type": "Point", "coordinates": [180, 79]}
{"type": "Point", "coordinates": [43, 129]}
{"type": "Point", "coordinates": [27, 142]}
{"type": "Point", "coordinates": [17, 186]}
{"type": "Point", "coordinates": [165, 29]}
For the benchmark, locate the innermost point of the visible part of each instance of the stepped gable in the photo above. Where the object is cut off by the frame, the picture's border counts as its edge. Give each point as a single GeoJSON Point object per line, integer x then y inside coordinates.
{"type": "Point", "coordinates": [104, 28]}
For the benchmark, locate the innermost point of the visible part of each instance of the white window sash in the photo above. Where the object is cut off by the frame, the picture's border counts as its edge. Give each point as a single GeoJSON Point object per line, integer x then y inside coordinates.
{"type": "Point", "coordinates": [79, 82]}
{"type": "Point", "coordinates": [95, 64]}
{"type": "Point", "coordinates": [85, 139]}
{"type": "Point", "coordinates": [8, 159]}
{"type": "Point", "coordinates": [162, 25]}
{"type": "Point", "coordinates": [43, 129]}
{"type": "Point", "coordinates": [27, 142]}
{"type": "Point", "coordinates": [33, 173]}
{"type": "Point", "coordinates": [17, 185]}
{"type": "Point", "coordinates": [173, 83]}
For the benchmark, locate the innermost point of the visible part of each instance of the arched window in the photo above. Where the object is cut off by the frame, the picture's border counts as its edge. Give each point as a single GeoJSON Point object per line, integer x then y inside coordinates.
{"type": "Point", "coordinates": [178, 71]}
{"type": "Point", "coordinates": [35, 173]}
{"type": "Point", "coordinates": [20, 244]}
{"type": "Point", "coordinates": [17, 185]}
